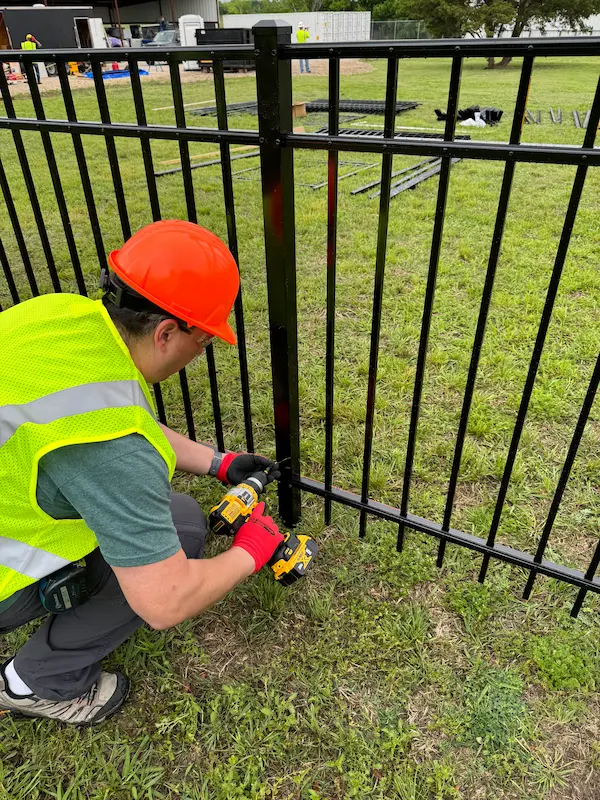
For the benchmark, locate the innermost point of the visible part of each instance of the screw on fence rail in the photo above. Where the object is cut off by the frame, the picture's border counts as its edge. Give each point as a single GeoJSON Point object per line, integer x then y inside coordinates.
{"type": "Point", "coordinates": [82, 164]}
{"type": "Point", "coordinates": [18, 231]}
{"type": "Point", "coordinates": [332, 218]}
{"type": "Point", "coordinates": [505, 190]}
{"type": "Point", "coordinates": [559, 263]}
{"type": "Point", "coordinates": [274, 91]}
{"type": "Point", "coordinates": [228, 198]}
{"type": "Point", "coordinates": [111, 150]}
{"type": "Point", "coordinates": [436, 244]}
{"type": "Point", "coordinates": [382, 233]}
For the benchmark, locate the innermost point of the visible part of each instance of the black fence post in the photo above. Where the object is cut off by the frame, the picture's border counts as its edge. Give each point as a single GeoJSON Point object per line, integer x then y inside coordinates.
{"type": "Point", "coordinates": [274, 91]}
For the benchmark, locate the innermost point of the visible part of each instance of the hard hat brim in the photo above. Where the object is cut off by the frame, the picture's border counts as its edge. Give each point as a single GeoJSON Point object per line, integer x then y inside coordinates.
{"type": "Point", "coordinates": [224, 331]}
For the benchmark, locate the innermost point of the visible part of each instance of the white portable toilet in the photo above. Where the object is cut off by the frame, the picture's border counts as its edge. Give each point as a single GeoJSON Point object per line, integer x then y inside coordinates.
{"type": "Point", "coordinates": [188, 25]}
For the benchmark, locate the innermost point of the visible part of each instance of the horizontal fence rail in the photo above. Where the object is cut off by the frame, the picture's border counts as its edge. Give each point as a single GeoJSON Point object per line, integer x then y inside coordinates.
{"type": "Point", "coordinates": [276, 143]}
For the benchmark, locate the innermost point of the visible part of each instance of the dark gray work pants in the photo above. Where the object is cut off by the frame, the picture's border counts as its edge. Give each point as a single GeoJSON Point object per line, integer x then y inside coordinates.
{"type": "Point", "coordinates": [62, 659]}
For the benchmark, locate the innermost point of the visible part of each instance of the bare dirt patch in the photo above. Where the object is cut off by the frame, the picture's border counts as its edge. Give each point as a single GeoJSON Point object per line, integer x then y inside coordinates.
{"type": "Point", "coordinates": [350, 66]}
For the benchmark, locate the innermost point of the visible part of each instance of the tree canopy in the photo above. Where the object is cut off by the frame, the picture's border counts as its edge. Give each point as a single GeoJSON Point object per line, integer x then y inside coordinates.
{"type": "Point", "coordinates": [446, 18]}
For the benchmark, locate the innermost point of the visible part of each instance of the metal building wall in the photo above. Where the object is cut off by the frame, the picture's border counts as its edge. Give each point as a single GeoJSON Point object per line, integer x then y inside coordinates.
{"type": "Point", "coordinates": [152, 11]}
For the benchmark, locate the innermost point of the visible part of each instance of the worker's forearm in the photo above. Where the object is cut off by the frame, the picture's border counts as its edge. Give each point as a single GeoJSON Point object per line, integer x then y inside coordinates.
{"type": "Point", "coordinates": [191, 456]}
{"type": "Point", "coordinates": [208, 581]}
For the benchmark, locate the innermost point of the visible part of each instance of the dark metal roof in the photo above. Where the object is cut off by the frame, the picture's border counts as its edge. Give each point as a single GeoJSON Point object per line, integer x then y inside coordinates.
{"type": "Point", "coordinates": [12, 4]}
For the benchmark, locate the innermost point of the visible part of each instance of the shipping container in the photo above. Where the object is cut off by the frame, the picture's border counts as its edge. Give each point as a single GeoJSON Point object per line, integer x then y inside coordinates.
{"type": "Point", "coordinates": [323, 26]}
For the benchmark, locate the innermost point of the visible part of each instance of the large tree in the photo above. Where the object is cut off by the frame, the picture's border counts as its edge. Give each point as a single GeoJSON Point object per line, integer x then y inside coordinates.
{"type": "Point", "coordinates": [456, 18]}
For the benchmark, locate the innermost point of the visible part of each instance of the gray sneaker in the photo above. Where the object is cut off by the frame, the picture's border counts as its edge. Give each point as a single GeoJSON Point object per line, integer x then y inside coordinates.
{"type": "Point", "coordinates": [104, 698]}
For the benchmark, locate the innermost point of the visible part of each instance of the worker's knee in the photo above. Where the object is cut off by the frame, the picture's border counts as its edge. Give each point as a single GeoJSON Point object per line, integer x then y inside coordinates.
{"type": "Point", "coordinates": [190, 522]}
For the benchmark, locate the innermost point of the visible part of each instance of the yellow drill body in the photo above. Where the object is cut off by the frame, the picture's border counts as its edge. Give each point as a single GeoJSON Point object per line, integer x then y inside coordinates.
{"type": "Point", "coordinates": [235, 508]}
{"type": "Point", "coordinates": [293, 556]}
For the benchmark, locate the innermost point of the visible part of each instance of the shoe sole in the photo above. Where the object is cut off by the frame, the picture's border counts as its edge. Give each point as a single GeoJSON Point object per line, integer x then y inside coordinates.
{"type": "Point", "coordinates": [19, 716]}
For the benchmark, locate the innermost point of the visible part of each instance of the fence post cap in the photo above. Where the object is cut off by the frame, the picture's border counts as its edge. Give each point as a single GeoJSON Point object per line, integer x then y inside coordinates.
{"type": "Point", "coordinates": [273, 23]}
{"type": "Point", "coordinates": [279, 27]}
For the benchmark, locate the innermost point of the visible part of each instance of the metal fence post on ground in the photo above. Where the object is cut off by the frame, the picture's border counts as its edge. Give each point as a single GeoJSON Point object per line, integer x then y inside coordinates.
{"type": "Point", "coordinates": [274, 92]}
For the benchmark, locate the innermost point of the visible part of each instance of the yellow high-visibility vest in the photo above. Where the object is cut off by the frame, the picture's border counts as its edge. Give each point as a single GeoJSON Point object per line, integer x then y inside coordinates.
{"type": "Point", "coordinates": [28, 45]}
{"type": "Point", "coordinates": [66, 377]}
{"type": "Point", "coordinates": [302, 35]}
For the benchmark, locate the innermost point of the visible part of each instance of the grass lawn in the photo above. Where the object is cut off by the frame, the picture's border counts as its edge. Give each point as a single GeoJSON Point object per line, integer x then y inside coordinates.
{"type": "Point", "coordinates": [379, 676]}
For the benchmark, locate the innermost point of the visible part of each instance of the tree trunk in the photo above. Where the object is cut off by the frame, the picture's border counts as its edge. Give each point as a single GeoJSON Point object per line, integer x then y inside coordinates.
{"type": "Point", "coordinates": [504, 62]}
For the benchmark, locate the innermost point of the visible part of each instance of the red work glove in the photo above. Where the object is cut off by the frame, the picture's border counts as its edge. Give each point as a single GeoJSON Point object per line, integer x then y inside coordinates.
{"type": "Point", "coordinates": [237, 467]}
{"type": "Point", "coordinates": [259, 536]}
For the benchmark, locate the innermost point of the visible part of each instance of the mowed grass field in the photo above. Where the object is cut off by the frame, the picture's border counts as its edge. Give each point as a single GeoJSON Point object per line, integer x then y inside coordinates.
{"type": "Point", "coordinates": [379, 676]}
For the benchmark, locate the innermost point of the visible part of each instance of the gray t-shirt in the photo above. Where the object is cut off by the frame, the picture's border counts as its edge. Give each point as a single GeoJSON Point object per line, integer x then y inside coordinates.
{"type": "Point", "coordinates": [121, 489]}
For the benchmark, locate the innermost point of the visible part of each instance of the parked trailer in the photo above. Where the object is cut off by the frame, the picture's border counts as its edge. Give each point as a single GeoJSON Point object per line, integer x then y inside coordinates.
{"type": "Point", "coordinates": [64, 26]}
{"type": "Point", "coordinates": [226, 36]}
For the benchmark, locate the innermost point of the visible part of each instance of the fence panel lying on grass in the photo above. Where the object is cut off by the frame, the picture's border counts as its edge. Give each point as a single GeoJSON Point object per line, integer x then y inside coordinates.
{"type": "Point", "coordinates": [276, 142]}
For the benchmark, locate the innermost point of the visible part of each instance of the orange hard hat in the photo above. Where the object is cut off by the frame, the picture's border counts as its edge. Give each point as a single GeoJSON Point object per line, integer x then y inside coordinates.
{"type": "Point", "coordinates": [185, 270]}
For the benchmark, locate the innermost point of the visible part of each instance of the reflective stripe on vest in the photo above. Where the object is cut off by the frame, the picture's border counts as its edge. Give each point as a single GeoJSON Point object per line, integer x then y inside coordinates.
{"type": "Point", "coordinates": [28, 560]}
{"type": "Point", "coordinates": [66, 378]}
{"type": "Point", "coordinates": [68, 402]}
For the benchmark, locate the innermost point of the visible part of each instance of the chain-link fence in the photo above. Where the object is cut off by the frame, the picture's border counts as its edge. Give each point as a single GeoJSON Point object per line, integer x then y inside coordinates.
{"type": "Point", "coordinates": [399, 29]}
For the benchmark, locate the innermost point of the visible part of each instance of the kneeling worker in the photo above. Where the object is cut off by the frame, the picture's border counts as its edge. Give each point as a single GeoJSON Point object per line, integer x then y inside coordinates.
{"type": "Point", "coordinates": [85, 470]}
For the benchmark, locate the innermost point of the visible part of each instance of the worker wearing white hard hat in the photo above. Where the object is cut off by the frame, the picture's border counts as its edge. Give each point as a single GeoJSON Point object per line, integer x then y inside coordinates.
{"type": "Point", "coordinates": [302, 35]}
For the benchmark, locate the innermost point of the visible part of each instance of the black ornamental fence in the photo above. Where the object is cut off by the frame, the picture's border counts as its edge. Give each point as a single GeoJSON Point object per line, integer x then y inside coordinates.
{"type": "Point", "coordinates": [272, 54]}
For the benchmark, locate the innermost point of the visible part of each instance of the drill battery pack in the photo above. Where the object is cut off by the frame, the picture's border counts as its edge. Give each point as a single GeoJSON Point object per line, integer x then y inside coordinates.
{"type": "Point", "coordinates": [293, 557]}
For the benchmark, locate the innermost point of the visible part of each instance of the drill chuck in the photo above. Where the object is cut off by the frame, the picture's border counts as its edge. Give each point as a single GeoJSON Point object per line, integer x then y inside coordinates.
{"type": "Point", "coordinates": [293, 556]}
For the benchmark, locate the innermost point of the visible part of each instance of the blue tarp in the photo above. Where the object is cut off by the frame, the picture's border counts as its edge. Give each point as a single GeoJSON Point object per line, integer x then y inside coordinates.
{"type": "Point", "coordinates": [115, 73]}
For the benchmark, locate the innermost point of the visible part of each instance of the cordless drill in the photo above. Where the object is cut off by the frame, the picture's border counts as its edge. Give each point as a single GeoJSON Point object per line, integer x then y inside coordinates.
{"type": "Point", "coordinates": [293, 556]}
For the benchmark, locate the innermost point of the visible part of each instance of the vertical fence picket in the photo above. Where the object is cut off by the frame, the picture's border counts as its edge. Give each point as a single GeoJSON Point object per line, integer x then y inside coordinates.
{"type": "Point", "coordinates": [31, 190]}
{"type": "Point", "coordinates": [436, 245]}
{"type": "Point", "coordinates": [505, 190]}
{"type": "Point", "coordinates": [382, 233]}
{"type": "Point", "coordinates": [273, 53]}
{"type": "Point", "coordinates": [559, 262]}
{"type": "Point", "coordinates": [10, 281]}
{"type": "Point", "coordinates": [111, 150]}
{"type": "Point", "coordinates": [332, 218]}
{"type": "Point", "coordinates": [18, 231]}
{"type": "Point", "coordinates": [84, 174]}
{"type": "Point", "coordinates": [232, 241]}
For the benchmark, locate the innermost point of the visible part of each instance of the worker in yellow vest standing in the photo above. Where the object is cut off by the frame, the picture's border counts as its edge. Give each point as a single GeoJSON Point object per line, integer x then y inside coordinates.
{"type": "Point", "coordinates": [31, 43]}
{"type": "Point", "coordinates": [302, 36]}
{"type": "Point", "coordinates": [91, 536]}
